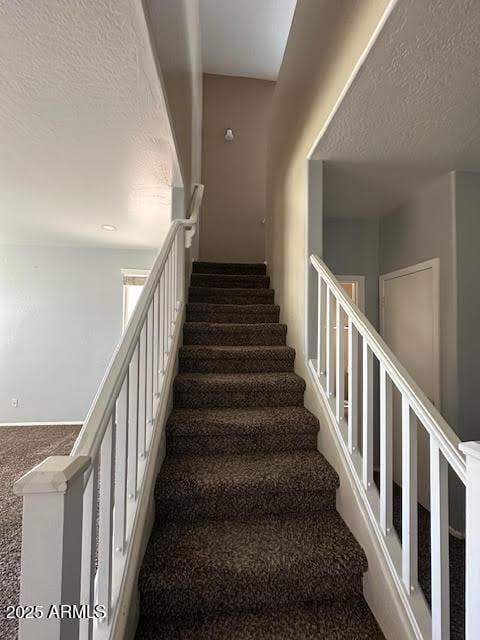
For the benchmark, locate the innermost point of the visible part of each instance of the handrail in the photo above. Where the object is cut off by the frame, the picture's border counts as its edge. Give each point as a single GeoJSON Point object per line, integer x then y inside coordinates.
{"type": "Point", "coordinates": [429, 415]}
{"type": "Point", "coordinates": [90, 437]}
{"type": "Point", "coordinates": [103, 487]}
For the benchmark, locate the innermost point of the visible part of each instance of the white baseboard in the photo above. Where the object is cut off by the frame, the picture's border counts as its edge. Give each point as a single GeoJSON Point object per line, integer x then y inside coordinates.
{"type": "Point", "coordinates": [65, 423]}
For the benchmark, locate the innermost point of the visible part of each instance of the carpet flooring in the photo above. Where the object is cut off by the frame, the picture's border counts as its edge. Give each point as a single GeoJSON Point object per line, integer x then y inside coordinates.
{"type": "Point", "coordinates": [247, 543]}
{"type": "Point", "coordinates": [21, 448]}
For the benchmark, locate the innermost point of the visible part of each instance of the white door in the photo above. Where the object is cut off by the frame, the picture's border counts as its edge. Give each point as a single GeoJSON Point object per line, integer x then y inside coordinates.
{"type": "Point", "coordinates": [409, 323]}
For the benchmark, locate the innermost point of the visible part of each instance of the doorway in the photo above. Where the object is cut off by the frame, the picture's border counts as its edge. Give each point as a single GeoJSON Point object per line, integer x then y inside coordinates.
{"type": "Point", "coordinates": [133, 283]}
{"type": "Point", "coordinates": [410, 325]}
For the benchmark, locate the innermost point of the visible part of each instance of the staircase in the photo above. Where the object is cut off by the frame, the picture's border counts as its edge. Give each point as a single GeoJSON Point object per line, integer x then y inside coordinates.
{"type": "Point", "coordinates": [246, 542]}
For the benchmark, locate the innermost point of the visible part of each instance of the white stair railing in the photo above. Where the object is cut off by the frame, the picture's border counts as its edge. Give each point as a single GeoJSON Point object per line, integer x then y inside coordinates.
{"type": "Point", "coordinates": [80, 511]}
{"type": "Point", "coordinates": [354, 425]}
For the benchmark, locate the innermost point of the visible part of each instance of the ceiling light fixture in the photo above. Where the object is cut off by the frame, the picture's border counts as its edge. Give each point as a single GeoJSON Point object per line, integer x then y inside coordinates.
{"type": "Point", "coordinates": [109, 227]}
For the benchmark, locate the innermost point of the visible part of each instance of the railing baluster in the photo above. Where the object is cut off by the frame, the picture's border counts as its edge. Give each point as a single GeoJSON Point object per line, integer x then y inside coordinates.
{"type": "Point", "coordinates": [181, 271]}
{"type": "Point", "coordinates": [320, 324]}
{"type": "Point", "coordinates": [89, 547]}
{"type": "Point", "coordinates": [340, 364]}
{"type": "Point", "coordinates": [472, 548]}
{"type": "Point", "coordinates": [105, 526]}
{"type": "Point", "coordinates": [149, 373]}
{"type": "Point", "coordinates": [329, 344]}
{"type": "Point", "coordinates": [439, 541]}
{"type": "Point", "coordinates": [367, 408]}
{"type": "Point", "coordinates": [175, 272]}
{"type": "Point", "coordinates": [142, 386]}
{"type": "Point", "coordinates": [155, 347]}
{"type": "Point", "coordinates": [167, 305]}
{"type": "Point", "coordinates": [352, 386]}
{"type": "Point", "coordinates": [386, 449]}
{"type": "Point", "coordinates": [161, 328]}
{"type": "Point", "coordinates": [172, 293]}
{"type": "Point", "coordinates": [409, 498]}
{"type": "Point", "coordinates": [132, 470]}
{"type": "Point", "coordinates": [120, 511]}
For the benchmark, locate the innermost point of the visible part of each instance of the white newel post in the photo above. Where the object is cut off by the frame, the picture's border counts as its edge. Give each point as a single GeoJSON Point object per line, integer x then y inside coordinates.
{"type": "Point", "coordinates": [51, 545]}
{"type": "Point", "coordinates": [472, 555]}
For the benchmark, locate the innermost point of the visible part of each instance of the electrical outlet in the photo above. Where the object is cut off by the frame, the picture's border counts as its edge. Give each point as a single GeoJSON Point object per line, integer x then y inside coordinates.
{"type": "Point", "coordinates": [14, 403]}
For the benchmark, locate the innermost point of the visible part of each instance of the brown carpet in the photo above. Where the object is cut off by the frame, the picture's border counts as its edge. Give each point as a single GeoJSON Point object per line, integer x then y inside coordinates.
{"type": "Point", "coordinates": [247, 544]}
{"type": "Point", "coordinates": [21, 448]}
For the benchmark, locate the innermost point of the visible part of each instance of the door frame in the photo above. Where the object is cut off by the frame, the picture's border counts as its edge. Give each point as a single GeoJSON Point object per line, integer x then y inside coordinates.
{"type": "Point", "coordinates": [434, 265]}
{"type": "Point", "coordinates": [360, 282]}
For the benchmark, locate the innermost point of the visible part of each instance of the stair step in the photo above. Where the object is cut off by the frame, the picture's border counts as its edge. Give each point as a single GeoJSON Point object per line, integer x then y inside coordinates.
{"type": "Point", "coordinates": [230, 296]}
{"type": "Point", "coordinates": [245, 486]}
{"type": "Point", "coordinates": [196, 390]}
{"type": "Point", "coordinates": [234, 334]}
{"type": "Point", "coordinates": [230, 281]}
{"type": "Point", "coordinates": [342, 620]}
{"type": "Point", "coordinates": [260, 430]}
{"type": "Point", "coordinates": [229, 267]}
{"type": "Point", "coordinates": [226, 566]}
{"type": "Point", "coordinates": [219, 359]}
{"type": "Point", "coordinates": [232, 313]}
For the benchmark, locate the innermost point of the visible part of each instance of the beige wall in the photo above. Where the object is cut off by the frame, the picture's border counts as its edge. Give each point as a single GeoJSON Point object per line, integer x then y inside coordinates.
{"type": "Point", "coordinates": [234, 173]}
{"type": "Point", "coordinates": [325, 42]}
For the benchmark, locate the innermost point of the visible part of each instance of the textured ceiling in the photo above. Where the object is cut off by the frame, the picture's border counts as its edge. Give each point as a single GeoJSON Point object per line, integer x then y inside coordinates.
{"type": "Point", "coordinates": [84, 135]}
{"type": "Point", "coordinates": [412, 111]}
{"type": "Point", "coordinates": [245, 37]}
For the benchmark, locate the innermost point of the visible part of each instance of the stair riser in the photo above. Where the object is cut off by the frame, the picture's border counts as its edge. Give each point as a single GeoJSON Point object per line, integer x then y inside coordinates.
{"type": "Point", "coordinates": [207, 365]}
{"type": "Point", "coordinates": [219, 316]}
{"type": "Point", "coordinates": [234, 269]}
{"type": "Point", "coordinates": [258, 398]}
{"type": "Point", "coordinates": [225, 592]}
{"type": "Point", "coordinates": [255, 503]}
{"type": "Point", "coordinates": [273, 336]}
{"type": "Point", "coordinates": [237, 444]}
{"type": "Point", "coordinates": [231, 296]}
{"type": "Point", "coordinates": [230, 281]}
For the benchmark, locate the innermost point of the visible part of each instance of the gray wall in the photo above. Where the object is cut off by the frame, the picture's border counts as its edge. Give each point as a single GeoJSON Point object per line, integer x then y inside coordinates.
{"type": "Point", "coordinates": [422, 229]}
{"type": "Point", "coordinates": [350, 247]}
{"type": "Point", "coordinates": [60, 320]}
{"type": "Point", "coordinates": [468, 270]}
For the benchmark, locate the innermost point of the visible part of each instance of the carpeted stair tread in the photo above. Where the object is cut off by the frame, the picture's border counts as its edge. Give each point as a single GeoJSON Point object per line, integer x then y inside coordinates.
{"type": "Point", "coordinates": [235, 359]}
{"type": "Point", "coordinates": [245, 486]}
{"type": "Point", "coordinates": [232, 313]}
{"type": "Point", "coordinates": [229, 267]}
{"type": "Point", "coordinates": [224, 566]}
{"type": "Point", "coordinates": [195, 390]}
{"type": "Point", "coordinates": [246, 542]}
{"type": "Point", "coordinates": [210, 333]}
{"type": "Point", "coordinates": [252, 421]}
{"type": "Point", "coordinates": [230, 281]}
{"type": "Point", "coordinates": [236, 431]}
{"type": "Point", "coordinates": [237, 296]}
{"type": "Point", "coordinates": [344, 620]}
